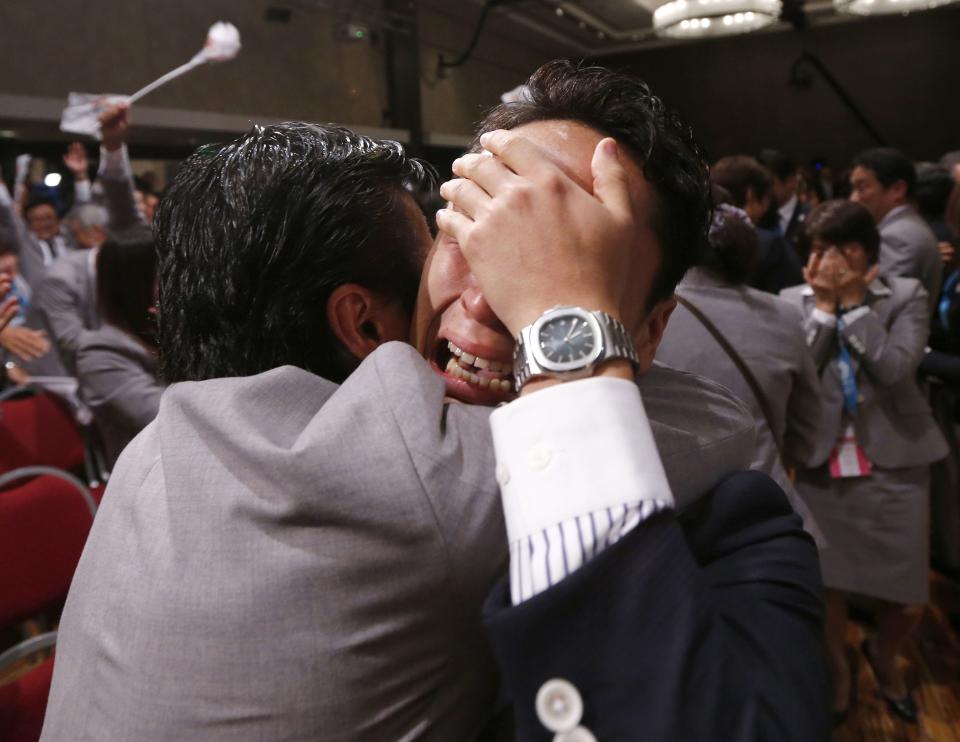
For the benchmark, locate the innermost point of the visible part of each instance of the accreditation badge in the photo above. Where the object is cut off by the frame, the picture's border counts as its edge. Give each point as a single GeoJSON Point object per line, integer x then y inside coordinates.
{"type": "Point", "coordinates": [847, 458]}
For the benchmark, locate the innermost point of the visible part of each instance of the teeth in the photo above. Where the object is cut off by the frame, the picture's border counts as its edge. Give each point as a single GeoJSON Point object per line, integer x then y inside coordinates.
{"type": "Point", "coordinates": [461, 359]}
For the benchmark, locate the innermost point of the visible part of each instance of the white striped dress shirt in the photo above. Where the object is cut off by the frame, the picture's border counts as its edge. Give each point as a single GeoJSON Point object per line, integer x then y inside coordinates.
{"type": "Point", "coordinates": [578, 469]}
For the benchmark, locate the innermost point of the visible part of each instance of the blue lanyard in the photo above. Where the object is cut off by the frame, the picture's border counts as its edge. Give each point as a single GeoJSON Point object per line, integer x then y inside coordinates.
{"type": "Point", "coordinates": [848, 378]}
{"type": "Point", "coordinates": [951, 286]}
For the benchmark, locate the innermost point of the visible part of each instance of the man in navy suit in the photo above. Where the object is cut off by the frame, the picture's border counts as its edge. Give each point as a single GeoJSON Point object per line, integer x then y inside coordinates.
{"type": "Point", "coordinates": [620, 618]}
{"type": "Point", "coordinates": [750, 185]}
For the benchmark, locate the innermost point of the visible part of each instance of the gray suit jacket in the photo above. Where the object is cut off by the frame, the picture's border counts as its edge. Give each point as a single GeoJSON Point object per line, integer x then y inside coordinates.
{"type": "Point", "coordinates": [118, 382]}
{"type": "Point", "coordinates": [64, 305]}
{"type": "Point", "coordinates": [65, 298]}
{"type": "Point", "coordinates": [767, 333]}
{"type": "Point", "coordinates": [893, 424]}
{"type": "Point", "coordinates": [277, 557]}
{"type": "Point", "coordinates": [908, 248]}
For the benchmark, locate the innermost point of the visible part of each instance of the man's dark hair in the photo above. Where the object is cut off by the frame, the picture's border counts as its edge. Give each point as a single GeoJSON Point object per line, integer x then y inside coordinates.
{"type": "Point", "coordinates": [623, 107]}
{"type": "Point", "coordinates": [126, 281]}
{"type": "Point", "coordinates": [934, 184]}
{"type": "Point", "coordinates": [839, 222]}
{"type": "Point", "coordinates": [889, 165]}
{"type": "Point", "coordinates": [253, 237]}
{"type": "Point", "coordinates": [737, 173]}
{"type": "Point", "coordinates": [951, 159]}
{"type": "Point", "coordinates": [35, 201]}
{"type": "Point", "coordinates": [777, 163]}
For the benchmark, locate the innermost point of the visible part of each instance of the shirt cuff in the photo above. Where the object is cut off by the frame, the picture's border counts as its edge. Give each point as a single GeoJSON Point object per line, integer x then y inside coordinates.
{"type": "Point", "coordinates": [824, 318]}
{"type": "Point", "coordinates": [574, 449]}
{"type": "Point", "coordinates": [854, 314]}
{"type": "Point", "coordinates": [116, 162]}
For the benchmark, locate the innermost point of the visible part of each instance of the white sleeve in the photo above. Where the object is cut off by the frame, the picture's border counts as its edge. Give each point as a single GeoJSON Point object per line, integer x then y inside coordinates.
{"type": "Point", "coordinates": [824, 318]}
{"type": "Point", "coordinates": [115, 163]}
{"type": "Point", "coordinates": [578, 469]}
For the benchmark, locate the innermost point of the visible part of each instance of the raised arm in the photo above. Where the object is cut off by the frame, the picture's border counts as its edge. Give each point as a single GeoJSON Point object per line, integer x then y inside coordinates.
{"type": "Point", "coordinates": [115, 173]}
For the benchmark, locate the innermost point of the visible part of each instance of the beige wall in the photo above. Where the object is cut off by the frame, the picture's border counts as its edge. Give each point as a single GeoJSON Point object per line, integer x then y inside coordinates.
{"type": "Point", "coordinates": [289, 70]}
{"type": "Point", "coordinates": [503, 59]}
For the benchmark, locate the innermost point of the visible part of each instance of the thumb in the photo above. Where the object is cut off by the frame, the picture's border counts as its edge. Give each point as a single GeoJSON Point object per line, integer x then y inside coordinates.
{"type": "Point", "coordinates": [609, 177]}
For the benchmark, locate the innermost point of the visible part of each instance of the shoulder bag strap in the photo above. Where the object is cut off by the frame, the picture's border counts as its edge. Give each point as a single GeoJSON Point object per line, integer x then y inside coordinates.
{"type": "Point", "coordinates": [741, 367]}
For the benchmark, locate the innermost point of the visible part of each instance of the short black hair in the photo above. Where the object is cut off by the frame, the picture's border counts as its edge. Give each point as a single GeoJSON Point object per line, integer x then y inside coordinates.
{"type": "Point", "coordinates": [126, 281]}
{"type": "Point", "coordinates": [889, 165]}
{"type": "Point", "coordinates": [737, 173]}
{"type": "Point", "coordinates": [934, 184]}
{"type": "Point", "coordinates": [777, 163]}
{"type": "Point", "coordinates": [253, 237]}
{"type": "Point", "coordinates": [34, 201]}
{"type": "Point", "coordinates": [623, 107]}
{"type": "Point", "coordinates": [839, 222]}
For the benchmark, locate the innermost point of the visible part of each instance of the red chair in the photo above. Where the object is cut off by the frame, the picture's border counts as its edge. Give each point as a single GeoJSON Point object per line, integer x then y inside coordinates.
{"type": "Point", "coordinates": [39, 430]}
{"type": "Point", "coordinates": [45, 517]}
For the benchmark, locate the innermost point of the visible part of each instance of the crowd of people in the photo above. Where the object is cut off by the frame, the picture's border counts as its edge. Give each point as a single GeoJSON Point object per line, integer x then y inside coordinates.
{"type": "Point", "coordinates": [612, 430]}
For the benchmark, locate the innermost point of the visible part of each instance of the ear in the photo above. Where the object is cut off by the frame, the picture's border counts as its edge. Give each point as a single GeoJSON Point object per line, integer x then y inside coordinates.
{"type": "Point", "coordinates": [648, 337]}
{"type": "Point", "coordinates": [362, 320]}
{"type": "Point", "coordinates": [898, 189]}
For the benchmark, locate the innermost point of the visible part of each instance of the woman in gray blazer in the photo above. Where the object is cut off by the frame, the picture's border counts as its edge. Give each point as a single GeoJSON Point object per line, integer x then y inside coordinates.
{"type": "Point", "coordinates": [764, 332]}
{"type": "Point", "coordinates": [869, 490]}
{"type": "Point", "coordinates": [117, 363]}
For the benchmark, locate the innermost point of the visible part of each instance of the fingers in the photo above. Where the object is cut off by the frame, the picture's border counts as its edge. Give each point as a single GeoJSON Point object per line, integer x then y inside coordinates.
{"type": "Point", "coordinates": [8, 310]}
{"type": "Point", "coordinates": [518, 153]}
{"type": "Point", "coordinates": [813, 264]}
{"type": "Point", "coordinates": [609, 177]}
{"type": "Point", "coordinates": [455, 224]}
{"type": "Point", "coordinates": [467, 196]}
{"type": "Point", "coordinates": [488, 172]}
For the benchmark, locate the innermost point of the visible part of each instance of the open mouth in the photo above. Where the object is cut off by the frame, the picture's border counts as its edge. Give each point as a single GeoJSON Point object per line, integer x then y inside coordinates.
{"type": "Point", "coordinates": [474, 370]}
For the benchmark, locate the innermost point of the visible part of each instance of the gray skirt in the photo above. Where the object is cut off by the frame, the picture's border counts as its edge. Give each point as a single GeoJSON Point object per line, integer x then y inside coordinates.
{"type": "Point", "coordinates": [877, 530]}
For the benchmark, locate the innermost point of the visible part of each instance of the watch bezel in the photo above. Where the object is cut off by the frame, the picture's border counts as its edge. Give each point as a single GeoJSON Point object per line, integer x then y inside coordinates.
{"type": "Point", "coordinates": [560, 367]}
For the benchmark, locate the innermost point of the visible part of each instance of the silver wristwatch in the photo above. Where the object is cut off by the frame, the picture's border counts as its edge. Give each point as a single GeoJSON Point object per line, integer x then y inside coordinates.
{"type": "Point", "coordinates": [569, 343]}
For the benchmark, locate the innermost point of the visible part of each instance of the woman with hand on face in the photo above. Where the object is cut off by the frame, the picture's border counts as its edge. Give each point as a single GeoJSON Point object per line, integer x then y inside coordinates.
{"type": "Point", "coordinates": [870, 491]}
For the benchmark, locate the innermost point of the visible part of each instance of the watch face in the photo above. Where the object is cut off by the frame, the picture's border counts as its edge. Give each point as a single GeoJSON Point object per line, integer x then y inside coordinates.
{"type": "Point", "coordinates": [569, 339]}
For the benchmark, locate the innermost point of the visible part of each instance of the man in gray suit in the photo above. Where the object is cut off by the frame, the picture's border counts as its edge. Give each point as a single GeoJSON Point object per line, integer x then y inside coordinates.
{"type": "Point", "coordinates": [64, 302]}
{"type": "Point", "coordinates": [281, 557]}
{"type": "Point", "coordinates": [883, 181]}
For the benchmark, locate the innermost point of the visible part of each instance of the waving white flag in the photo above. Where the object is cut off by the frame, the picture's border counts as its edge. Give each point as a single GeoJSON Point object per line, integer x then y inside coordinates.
{"type": "Point", "coordinates": [82, 114]}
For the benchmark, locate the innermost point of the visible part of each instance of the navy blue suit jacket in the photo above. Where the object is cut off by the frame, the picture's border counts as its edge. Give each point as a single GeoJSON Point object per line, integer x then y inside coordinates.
{"type": "Point", "coordinates": [702, 627]}
{"type": "Point", "coordinates": [778, 266]}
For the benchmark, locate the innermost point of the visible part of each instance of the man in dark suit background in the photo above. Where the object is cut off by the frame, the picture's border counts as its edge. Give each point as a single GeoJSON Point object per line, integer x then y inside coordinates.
{"type": "Point", "coordinates": [786, 212]}
{"type": "Point", "coordinates": [750, 185]}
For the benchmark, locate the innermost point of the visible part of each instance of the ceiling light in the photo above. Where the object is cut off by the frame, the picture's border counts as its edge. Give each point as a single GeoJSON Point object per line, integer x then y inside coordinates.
{"type": "Point", "coordinates": [688, 19]}
{"type": "Point", "coordinates": [884, 7]}
{"type": "Point", "coordinates": [52, 180]}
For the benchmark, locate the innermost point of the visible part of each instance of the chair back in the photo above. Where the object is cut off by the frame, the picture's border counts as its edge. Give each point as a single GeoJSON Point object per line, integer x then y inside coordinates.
{"type": "Point", "coordinates": [39, 430]}
{"type": "Point", "coordinates": [24, 702]}
{"type": "Point", "coordinates": [44, 522]}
